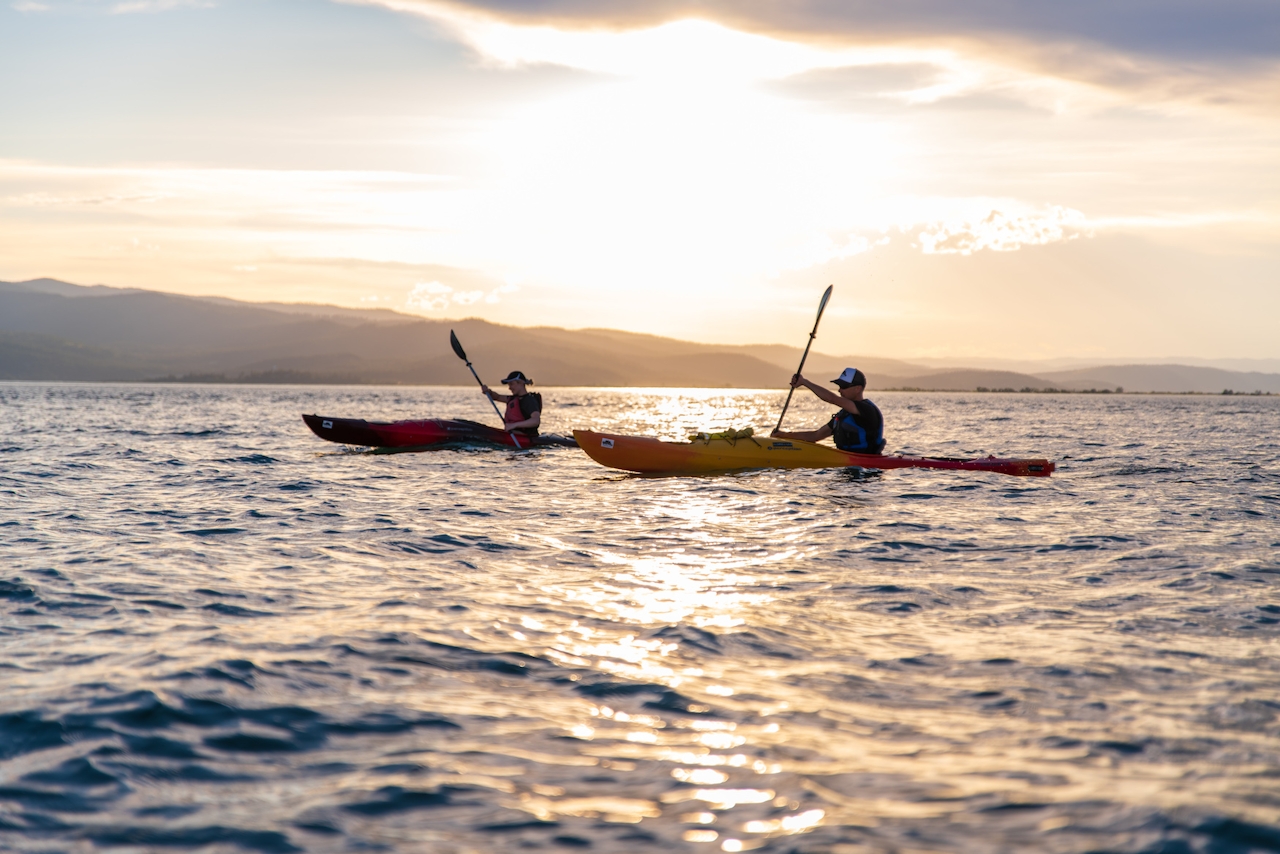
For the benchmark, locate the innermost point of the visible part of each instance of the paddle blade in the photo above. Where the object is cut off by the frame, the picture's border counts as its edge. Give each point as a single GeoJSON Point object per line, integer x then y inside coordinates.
{"type": "Point", "coordinates": [822, 306]}
{"type": "Point", "coordinates": [457, 346]}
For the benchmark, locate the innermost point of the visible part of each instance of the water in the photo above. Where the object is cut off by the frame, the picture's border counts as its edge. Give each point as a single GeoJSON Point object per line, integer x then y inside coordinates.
{"type": "Point", "coordinates": [221, 634]}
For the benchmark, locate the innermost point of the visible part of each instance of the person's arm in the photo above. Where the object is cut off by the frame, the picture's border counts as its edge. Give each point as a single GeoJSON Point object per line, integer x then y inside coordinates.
{"type": "Point", "coordinates": [493, 395]}
{"type": "Point", "coordinates": [827, 394]}
{"type": "Point", "coordinates": [805, 436]}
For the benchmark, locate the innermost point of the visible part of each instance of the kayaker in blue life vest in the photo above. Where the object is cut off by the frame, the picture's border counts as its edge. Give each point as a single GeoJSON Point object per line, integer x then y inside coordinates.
{"type": "Point", "coordinates": [524, 407]}
{"type": "Point", "coordinates": [857, 427]}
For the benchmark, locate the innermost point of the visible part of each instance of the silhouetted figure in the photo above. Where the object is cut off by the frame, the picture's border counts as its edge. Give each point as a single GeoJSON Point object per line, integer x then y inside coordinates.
{"type": "Point", "coordinates": [524, 407]}
{"type": "Point", "coordinates": [857, 427]}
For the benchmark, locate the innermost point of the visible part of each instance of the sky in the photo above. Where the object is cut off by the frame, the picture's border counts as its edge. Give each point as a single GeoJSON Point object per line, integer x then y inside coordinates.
{"type": "Point", "coordinates": [998, 178]}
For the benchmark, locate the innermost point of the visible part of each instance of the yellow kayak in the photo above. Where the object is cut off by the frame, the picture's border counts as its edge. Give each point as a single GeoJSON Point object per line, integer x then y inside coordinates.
{"type": "Point", "coordinates": [653, 456]}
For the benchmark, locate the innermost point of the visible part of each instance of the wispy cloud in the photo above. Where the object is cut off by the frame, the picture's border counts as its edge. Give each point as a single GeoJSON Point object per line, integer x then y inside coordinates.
{"type": "Point", "coordinates": [1218, 54]}
{"type": "Point", "coordinates": [53, 200]}
{"type": "Point", "coordinates": [435, 296]}
{"type": "Point", "coordinates": [429, 296]}
{"type": "Point", "coordinates": [1000, 231]}
{"type": "Point", "coordinates": [1223, 30]}
{"type": "Point", "coordinates": [30, 6]}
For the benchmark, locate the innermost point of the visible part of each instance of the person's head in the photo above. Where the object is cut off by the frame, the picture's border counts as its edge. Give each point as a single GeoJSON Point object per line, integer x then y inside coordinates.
{"type": "Point", "coordinates": [852, 382]}
{"type": "Point", "coordinates": [516, 382]}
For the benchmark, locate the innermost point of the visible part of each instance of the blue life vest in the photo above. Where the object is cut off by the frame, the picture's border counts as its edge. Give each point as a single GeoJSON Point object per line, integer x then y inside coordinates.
{"type": "Point", "coordinates": [862, 433]}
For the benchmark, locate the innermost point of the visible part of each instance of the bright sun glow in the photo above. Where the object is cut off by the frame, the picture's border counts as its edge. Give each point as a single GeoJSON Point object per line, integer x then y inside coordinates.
{"type": "Point", "coordinates": [688, 52]}
{"type": "Point", "coordinates": [667, 186]}
{"type": "Point", "coordinates": [680, 171]}
{"type": "Point", "coordinates": [682, 52]}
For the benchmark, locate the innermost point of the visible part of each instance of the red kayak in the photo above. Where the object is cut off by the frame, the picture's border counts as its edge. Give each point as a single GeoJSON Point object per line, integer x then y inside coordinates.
{"type": "Point", "coordinates": [430, 432]}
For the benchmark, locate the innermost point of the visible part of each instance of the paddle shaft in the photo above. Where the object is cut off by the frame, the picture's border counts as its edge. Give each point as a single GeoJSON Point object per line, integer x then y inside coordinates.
{"type": "Point", "coordinates": [822, 306]}
{"type": "Point", "coordinates": [457, 348]}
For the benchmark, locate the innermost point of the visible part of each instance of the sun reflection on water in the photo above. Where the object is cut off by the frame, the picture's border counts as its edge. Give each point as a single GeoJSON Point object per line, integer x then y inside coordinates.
{"type": "Point", "coordinates": [703, 585]}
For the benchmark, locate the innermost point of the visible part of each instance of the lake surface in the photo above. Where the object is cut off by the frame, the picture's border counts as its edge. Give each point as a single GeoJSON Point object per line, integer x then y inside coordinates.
{"type": "Point", "coordinates": [219, 633]}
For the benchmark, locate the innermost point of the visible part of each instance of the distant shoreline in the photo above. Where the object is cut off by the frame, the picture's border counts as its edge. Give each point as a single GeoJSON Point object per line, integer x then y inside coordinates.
{"type": "Point", "coordinates": [980, 390]}
{"type": "Point", "coordinates": [254, 380]}
{"type": "Point", "coordinates": [269, 378]}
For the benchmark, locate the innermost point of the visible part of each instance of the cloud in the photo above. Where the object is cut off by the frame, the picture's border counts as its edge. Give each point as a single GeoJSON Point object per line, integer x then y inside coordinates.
{"type": "Point", "coordinates": [429, 296]}
{"type": "Point", "coordinates": [468, 297]}
{"type": "Point", "coordinates": [1212, 30]}
{"type": "Point", "coordinates": [495, 295]}
{"type": "Point", "coordinates": [50, 200]}
{"type": "Point", "coordinates": [135, 245]}
{"type": "Point", "coordinates": [435, 296]}
{"type": "Point", "coordinates": [29, 6]}
{"type": "Point", "coordinates": [1002, 232]}
{"type": "Point", "coordinates": [1210, 53]}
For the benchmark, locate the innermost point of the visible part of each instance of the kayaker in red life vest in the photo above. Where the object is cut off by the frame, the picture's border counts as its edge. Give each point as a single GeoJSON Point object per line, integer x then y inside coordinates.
{"type": "Point", "coordinates": [524, 407]}
{"type": "Point", "coordinates": [857, 427]}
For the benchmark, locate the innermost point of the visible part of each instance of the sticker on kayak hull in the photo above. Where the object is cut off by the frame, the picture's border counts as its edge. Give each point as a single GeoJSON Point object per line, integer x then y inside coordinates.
{"type": "Point", "coordinates": [328, 425]}
{"type": "Point", "coordinates": [606, 443]}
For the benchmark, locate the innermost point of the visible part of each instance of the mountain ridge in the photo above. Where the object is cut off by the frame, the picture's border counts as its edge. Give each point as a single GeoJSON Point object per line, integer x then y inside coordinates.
{"type": "Point", "coordinates": [54, 330]}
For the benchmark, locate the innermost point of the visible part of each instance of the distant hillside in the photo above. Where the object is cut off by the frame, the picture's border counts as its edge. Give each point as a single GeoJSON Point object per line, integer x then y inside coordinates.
{"type": "Point", "coordinates": [27, 356]}
{"type": "Point", "coordinates": [970, 380]}
{"type": "Point", "coordinates": [1166, 378]}
{"type": "Point", "coordinates": [1132, 378]}
{"type": "Point", "coordinates": [1042, 367]}
{"type": "Point", "coordinates": [54, 330]}
{"type": "Point", "coordinates": [51, 330]}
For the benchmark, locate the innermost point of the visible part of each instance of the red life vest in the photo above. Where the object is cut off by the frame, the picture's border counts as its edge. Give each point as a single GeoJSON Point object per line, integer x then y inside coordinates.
{"type": "Point", "coordinates": [521, 409]}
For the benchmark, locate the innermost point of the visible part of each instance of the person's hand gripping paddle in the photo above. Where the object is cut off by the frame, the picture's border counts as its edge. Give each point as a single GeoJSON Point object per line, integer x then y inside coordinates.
{"type": "Point", "coordinates": [462, 354]}
{"type": "Point", "coordinates": [814, 334]}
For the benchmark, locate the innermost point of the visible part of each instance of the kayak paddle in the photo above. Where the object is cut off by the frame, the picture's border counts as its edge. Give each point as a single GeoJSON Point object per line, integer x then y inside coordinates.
{"type": "Point", "coordinates": [814, 334]}
{"type": "Point", "coordinates": [462, 354]}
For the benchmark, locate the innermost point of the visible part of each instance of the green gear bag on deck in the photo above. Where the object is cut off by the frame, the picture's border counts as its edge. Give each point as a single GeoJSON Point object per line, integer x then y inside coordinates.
{"type": "Point", "coordinates": [731, 435]}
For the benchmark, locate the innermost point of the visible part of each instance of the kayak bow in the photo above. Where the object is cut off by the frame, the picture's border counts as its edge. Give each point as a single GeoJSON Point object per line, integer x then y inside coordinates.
{"type": "Point", "coordinates": [421, 434]}
{"type": "Point", "coordinates": [652, 456]}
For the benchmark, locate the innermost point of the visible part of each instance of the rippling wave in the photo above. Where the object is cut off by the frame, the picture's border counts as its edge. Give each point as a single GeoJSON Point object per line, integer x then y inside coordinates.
{"type": "Point", "coordinates": [222, 634]}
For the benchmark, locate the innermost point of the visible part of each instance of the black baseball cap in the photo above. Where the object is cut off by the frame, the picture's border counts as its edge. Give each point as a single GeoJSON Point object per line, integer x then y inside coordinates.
{"type": "Point", "coordinates": [850, 377]}
{"type": "Point", "coordinates": [517, 376]}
